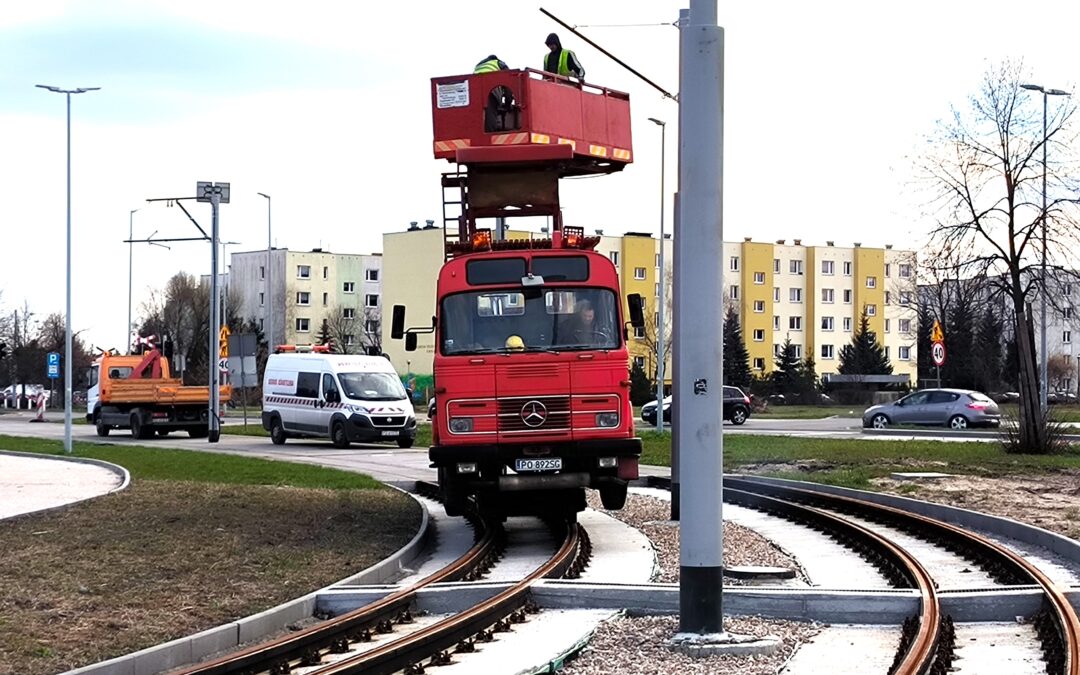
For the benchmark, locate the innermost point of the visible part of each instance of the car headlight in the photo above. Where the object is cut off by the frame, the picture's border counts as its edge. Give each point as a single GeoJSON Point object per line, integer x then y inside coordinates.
{"type": "Point", "coordinates": [607, 419]}
{"type": "Point", "coordinates": [461, 425]}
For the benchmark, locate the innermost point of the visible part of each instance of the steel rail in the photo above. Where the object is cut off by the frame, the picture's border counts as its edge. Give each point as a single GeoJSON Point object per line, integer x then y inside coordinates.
{"type": "Point", "coordinates": [335, 633]}
{"type": "Point", "coordinates": [919, 644]}
{"type": "Point", "coordinates": [1065, 660]}
{"type": "Point", "coordinates": [410, 650]}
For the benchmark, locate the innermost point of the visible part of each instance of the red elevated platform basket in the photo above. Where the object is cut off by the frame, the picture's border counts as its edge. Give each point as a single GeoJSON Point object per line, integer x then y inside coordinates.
{"type": "Point", "coordinates": [531, 117]}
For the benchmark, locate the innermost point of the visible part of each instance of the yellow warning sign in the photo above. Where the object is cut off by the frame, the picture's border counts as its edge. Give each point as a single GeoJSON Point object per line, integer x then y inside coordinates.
{"type": "Point", "coordinates": [936, 334]}
{"type": "Point", "coordinates": [223, 342]}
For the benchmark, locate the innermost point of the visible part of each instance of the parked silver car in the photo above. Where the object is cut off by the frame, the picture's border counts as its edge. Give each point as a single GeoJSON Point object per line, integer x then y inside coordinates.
{"type": "Point", "coordinates": [955, 408]}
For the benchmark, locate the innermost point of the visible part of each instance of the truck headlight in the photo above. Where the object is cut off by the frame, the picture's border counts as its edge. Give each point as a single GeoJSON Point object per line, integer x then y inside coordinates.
{"type": "Point", "coordinates": [461, 425]}
{"type": "Point", "coordinates": [607, 419]}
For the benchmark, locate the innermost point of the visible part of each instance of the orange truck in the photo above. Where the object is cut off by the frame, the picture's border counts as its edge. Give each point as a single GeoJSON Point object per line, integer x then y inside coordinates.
{"type": "Point", "coordinates": [138, 392]}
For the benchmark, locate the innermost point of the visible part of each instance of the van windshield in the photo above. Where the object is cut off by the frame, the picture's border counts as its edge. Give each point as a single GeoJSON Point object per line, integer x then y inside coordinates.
{"type": "Point", "coordinates": [372, 386]}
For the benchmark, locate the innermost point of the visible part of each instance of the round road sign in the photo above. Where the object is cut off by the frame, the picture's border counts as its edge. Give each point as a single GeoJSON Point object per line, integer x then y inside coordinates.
{"type": "Point", "coordinates": [937, 351]}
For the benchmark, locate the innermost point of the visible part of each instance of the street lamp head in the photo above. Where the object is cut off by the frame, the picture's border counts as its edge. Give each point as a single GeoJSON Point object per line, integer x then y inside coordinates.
{"type": "Point", "coordinates": [262, 194]}
{"type": "Point", "coordinates": [1057, 92]}
{"type": "Point", "coordinates": [656, 121]}
{"type": "Point", "coordinates": [59, 90]}
{"type": "Point", "coordinates": [1032, 87]}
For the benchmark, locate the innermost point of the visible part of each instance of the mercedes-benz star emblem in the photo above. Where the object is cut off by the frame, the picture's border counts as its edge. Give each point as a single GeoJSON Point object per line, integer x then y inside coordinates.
{"type": "Point", "coordinates": [534, 413]}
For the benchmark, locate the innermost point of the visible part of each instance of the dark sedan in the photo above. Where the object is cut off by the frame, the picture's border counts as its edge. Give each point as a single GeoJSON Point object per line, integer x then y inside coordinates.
{"type": "Point", "coordinates": [736, 408]}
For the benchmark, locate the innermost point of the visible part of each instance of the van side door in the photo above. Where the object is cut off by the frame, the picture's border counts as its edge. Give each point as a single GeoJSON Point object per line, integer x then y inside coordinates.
{"type": "Point", "coordinates": [306, 416]}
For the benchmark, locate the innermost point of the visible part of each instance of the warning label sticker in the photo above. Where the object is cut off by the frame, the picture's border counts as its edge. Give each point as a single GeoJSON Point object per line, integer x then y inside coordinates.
{"type": "Point", "coordinates": [452, 95]}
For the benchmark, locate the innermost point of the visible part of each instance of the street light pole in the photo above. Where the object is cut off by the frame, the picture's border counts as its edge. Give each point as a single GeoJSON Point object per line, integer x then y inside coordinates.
{"type": "Point", "coordinates": [67, 311]}
{"type": "Point", "coordinates": [131, 244]}
{"type": "Point", "coordinates": [269, 287]}
{"type": "Point", "coordinates": [662, 284]}
{"type": "Point", "coordinates": [1043, 383]}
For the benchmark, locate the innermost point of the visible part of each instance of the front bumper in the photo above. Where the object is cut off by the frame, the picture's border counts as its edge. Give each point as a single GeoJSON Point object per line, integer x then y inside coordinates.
{"type": "Point", "coordinates": [361, 430]}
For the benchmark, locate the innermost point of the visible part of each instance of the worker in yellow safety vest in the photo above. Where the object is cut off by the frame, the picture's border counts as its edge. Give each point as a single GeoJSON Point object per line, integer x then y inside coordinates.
{"type": "Point", "coordinates": [561, 61]}
{"type": "Point", "coordinates": [489, 65]}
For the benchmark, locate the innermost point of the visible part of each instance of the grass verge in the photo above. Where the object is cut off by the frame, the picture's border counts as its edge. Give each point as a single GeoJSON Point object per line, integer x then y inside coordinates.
{"type": "Point", "coordinates": [198, 539]}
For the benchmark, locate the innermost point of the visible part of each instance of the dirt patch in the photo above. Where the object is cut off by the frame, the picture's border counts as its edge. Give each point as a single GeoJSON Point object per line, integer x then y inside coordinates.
{"type": "Point", "coordinates": [1050, 501]}
{"type": "Point", "coordinates": [165, 559]}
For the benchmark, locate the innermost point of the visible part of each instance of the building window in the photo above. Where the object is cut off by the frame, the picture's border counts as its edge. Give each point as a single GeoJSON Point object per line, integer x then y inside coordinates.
{"type": "Point", "coordinates": [826, 323]}
{"type": "Point", "coordinates": [887, 321]}
{"type": "Point", "coordinates": [262, 271]}
{"type": "Point", "coordinates": [1067, 290]}
{"type": "Point", "coordinates": [639, 361]}
{"type": "Point", "coordinates": [795, 266]}
{"type": "Point", "coordinates": [828, 267]}
{"type": "Point", "coordinates": [759, 306]}
{"type": "Point", "coordinates": [888, 297]}
{"type": "Point", "coordinates": [886, 353]}
{"type": "Point", "coordinates": [371, 300]}
{"type": "Point", "coordinates": [847, 296]}
{"type": "Point", "coordinates": [826, 351]}
{"type": "Point", "coordinates": [887, 269]}
{"type": "Point", "coordinates": [776, 265]}
{"type": "Point", "coordinates": [776, 295]}
{"type": "Point", "coordinates": [303, 325]}
{"type": "Point", "coordinates": [905, 298]}
{"type": "Point", "coordinates": [847, 324]}
{"type": "Point", "coordinates": [303, 271]}
{"type": "Point", "coordinates": [325, 272]}
{"type": "Point", "coordinates": [796, 351]}
{"type": "Point", "coordinates": [871, 282]}
{"type": "Point", "coordinates": [828, 295]}
{"type": "Point", "coordinates": [871, 310]}
{"type": "Point", "coordinates": [776, 349]}
{"type": "Point", "coordinates": [847, 269]}
{"type": "Point", "coordinates": [325, 299]}
{"type": "Point", "coordinates": [759, 335]}
{"type": "Point", "coordinates": [795, 294]}
{"type": "Point", "coordinates": [371, 326]}
{"type": "Point", "coordinates": [262, 299]}
{"type": "Point", "coordinates": [350, 339]}
{"type": "Point", "coordinates": [776, 323]}
{"type": "Point", "coordinates": [614, 255]}
{"type": "Point", "coordinates": [734, 292]}
{"type": "Point", "coordinates": [639, 332]}
{"type": "Point", "coordinates": [759, 363]}
{"type": "Point", "coordinates": [303, 298]}
{"type": "Point", "coordinates": [371, 275]}
{"type": "Point", "coordinates": [348, 313]}
{"type": "Point", "coordinates": [795, 323]}
{"type": "Point", "coordinates": [903, 325]}
{"type": "Point", "coordinates": [1066, 336]}
{"type": "Point", "coordinates": [759, 277]}
{"type": "Point", "coordinates": [904, 271]}
{"type": "Point", "coordinates": [903, 353]}
{"type": "Point", "coordinates": [1067, 312]}
{"type": "Point", "coordinates": [733, 263]}
{"type": "Point", "coordinates": [348, 287]}
{"type": "Point", "coordinates": [656, 290]}
{"type": "Point", "coordinates": [639, 273]}
{"type": "Point", "coordinates": [656, 260]}
{"type": "Point", "coordinates": [262, 324]}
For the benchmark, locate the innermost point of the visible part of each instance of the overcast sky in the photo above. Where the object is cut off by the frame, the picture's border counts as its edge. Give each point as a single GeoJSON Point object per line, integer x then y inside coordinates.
{"type": "Point", "coordinates": [325, 106]}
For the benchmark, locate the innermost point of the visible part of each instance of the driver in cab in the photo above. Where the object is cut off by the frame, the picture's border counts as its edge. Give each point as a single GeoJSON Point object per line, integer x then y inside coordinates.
{"type": "Point", "coordinates": [580, 329]}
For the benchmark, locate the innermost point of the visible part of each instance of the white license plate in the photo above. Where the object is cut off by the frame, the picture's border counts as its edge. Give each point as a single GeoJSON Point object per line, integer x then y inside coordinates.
{"type": "Point", "coordinates": [389, 433]}
{"type": "Point", "coordinates": [539, 464]}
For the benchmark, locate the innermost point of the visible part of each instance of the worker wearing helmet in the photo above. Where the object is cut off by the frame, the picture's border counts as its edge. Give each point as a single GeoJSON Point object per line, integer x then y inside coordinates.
{"type": "Point", "coordinates": [514, 343]}
{"type": "Point", "coordinates": [561, 61]}
{"type": "Point", "coordinates": [489, 65]}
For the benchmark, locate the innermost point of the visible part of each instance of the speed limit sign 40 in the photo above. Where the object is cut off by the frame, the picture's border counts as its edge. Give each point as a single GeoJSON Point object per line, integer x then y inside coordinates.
{"type": "Point", "coordinates": [937, 351]}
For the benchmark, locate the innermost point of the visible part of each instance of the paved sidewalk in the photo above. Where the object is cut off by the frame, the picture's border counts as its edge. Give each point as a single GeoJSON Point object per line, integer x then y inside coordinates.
{"type": "Point", "coordinates": [29, 484]}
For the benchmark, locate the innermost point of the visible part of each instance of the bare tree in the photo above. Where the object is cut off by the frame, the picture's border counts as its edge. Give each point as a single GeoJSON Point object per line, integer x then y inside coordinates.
{"type": "Point", "coordinates": [984, 176]}
{"type": "Point", "coordinates": [372, 330]}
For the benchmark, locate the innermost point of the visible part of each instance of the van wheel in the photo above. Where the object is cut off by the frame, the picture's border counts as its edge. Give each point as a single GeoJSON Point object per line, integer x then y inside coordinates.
{"type": "Point", "coordinates": [404, 442]}
{"type": "Point", "coordinates": [338, 436]}
{"type": "Point", "coordinates": [277, 432]}
{"type": "Point", "coordinates": [102, 428]}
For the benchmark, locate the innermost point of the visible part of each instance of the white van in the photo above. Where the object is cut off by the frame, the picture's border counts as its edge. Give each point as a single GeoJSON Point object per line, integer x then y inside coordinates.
{"type": "Point", "coordinates": [342, 397]}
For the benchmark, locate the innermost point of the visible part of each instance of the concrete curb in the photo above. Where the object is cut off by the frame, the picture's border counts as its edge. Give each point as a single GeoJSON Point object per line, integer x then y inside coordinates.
{"type": "Point", "coordinates": [186, 650]}
{"type": "Point", "coordinates": [121, 472]}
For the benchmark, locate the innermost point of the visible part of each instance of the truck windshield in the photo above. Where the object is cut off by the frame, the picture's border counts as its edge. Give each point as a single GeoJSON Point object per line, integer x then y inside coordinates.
{"type": "Point", "coordinates": [372, 386]}
{"type": "Point", "coordinates": [529, 319]}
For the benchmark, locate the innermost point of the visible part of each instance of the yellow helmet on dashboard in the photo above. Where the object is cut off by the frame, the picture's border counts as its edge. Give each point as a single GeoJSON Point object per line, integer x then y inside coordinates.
{"type": "Point", "coordinates": [515, 343]}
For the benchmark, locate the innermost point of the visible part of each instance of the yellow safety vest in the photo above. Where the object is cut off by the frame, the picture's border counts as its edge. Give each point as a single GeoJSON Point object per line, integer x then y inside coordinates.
{"type": "Point", "coordinates": [564, 56]}
{"type": "Point", "coordinates": [489, 66]}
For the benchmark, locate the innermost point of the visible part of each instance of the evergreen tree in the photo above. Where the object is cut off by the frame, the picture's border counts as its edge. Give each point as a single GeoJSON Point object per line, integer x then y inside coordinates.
{"type": "Point", "coordinates": [325, 337]}
{"type": "Point", "coordinates": [926, 367]}
{"type": "Point", "coordinates": [641, 387]}
{"type": "Point", "coordinates": [736, 358]}
{"type": "Point", "coordinates": [865, 355]}
{"type": "Point", "coordinates": [962, 363]}
{"type": "Point", "coordinates": [787, 375]}
{"type": "Point", "coordinates": [988, 348]}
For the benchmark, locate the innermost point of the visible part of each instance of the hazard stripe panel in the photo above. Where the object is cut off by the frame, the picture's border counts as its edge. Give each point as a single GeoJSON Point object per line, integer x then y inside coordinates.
{"type": "Point", "coordinates": [456, 144]}
{"type": "Point", "coordinates": [510, 139]}
{"type": "Point", "coordinates": [305, 402]}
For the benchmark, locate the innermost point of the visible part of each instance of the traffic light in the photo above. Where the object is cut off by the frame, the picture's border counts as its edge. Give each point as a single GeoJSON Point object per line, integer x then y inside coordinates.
{"type": "Point", "coordinates": [3, 349]}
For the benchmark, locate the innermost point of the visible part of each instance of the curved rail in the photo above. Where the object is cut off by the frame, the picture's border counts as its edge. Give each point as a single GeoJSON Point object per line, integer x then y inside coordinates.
{"type": "Point", "coordinates": [357, 625]}
{"type": "Point", "coordinates": [1061, 642]}
{"type": "Point", "coordinates": [464, 628]}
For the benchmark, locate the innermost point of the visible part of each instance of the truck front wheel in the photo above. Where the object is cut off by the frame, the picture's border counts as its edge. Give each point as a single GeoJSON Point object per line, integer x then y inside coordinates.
{"type": "Point", "coordinates": [102, 428]}
{"type": "Point", "coordinates": [138, 429]}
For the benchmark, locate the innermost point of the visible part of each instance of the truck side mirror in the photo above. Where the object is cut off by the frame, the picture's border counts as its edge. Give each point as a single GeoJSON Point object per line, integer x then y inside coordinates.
{"type": "Point", "coordinates": [410, 342]}
{"type": "Point", "coordinates": [637, 312]}
{"type": "Point", "coordinates": [397, 323]}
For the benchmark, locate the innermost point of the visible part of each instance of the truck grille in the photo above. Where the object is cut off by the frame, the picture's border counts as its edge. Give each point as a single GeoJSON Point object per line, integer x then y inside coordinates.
{"type": "Point", "coordinates": [387, 420]}
{"type": "Point", "coordinates": [540, 414]}
{"type": "Point", "coordinates": [531, 371]}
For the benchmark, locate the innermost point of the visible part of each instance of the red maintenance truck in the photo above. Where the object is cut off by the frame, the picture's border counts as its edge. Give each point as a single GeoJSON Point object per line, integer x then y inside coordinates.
{"type": "Point", "coordinates": [531, 372]}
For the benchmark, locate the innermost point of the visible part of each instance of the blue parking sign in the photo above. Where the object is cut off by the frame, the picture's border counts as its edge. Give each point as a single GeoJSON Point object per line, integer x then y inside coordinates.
{"type": "Point", "coordinates": [53, 363]}
{"type": "Point", "coordinates": [54, 359]}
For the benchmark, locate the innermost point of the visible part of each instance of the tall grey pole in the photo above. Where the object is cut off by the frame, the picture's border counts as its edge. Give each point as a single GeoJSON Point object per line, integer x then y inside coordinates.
{"type": "Point", "coordinates": [269, 284]}
{"type": "Point", "coordinates": [131, 217]}
{"type": "Point", "coordinates": [67, 307]}
{"type": "Point", "coordinates": [1042, 340]}
{"type": "Point", "coordinates": [699, 375]}
{"type": "Point", "coordinates": [676, 285]}
{"type": "Point", "coordinates": [662, 285]}
{"type": "Point", "coordinates": [215, 324]}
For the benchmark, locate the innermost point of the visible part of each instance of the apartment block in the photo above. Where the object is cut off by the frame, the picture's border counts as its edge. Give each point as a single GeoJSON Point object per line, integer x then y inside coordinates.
{"type": "Point", "coordinates": [308, 290]}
